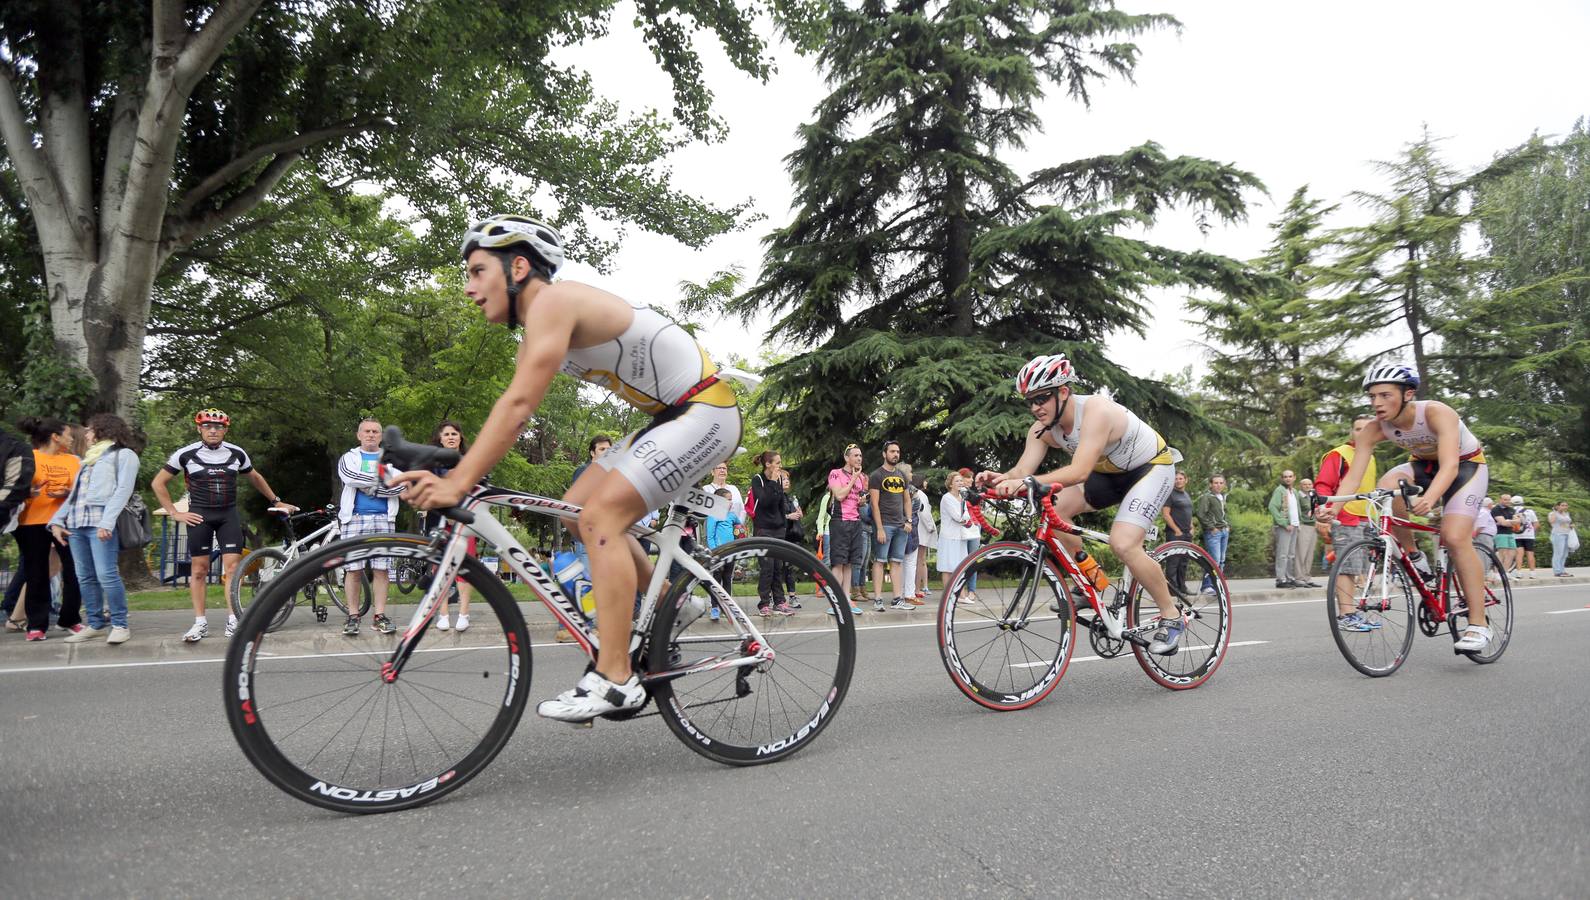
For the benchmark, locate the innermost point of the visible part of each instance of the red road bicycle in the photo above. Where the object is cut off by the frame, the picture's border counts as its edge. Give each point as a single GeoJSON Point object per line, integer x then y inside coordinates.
{"type": "Point", "coordinates": [1390, 595]}
{"type": "Point", "coordinates": [1006, 621]}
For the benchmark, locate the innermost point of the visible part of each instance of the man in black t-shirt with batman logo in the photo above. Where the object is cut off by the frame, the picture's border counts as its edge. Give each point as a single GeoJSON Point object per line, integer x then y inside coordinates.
{"type": "Point", "coordinates": [892, 521]}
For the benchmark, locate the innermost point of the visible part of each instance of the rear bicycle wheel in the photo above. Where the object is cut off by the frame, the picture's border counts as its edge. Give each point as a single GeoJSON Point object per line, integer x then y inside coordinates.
{"type": "Point", "coordinates": [1000, 642]}
{"type": "Point", "coordinates": [1498, 610]}
{"type": "Point", "coordinates": [406, 576]}
{"type": "Point", "coordinates": [1367, 585]}
{"type": "Point", "coordinates": [1207, 634]}
{"type": "Point", "coordinates": [325, 722]}
{"type": "Point", "coordinates": [746, 715]}
{"type": "Point", "coordinates": [252, 575]}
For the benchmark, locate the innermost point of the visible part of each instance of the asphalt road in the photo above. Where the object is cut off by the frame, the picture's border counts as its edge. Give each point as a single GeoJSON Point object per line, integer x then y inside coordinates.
{"type": "Point", "coordinates": [1288, 774]}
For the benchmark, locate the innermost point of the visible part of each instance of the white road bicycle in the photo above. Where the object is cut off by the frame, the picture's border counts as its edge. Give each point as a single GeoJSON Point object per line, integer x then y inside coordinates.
{"type": "Point", "coordinates": [257, 569]}
{"type": "Point", "coordinates": [393, 721]}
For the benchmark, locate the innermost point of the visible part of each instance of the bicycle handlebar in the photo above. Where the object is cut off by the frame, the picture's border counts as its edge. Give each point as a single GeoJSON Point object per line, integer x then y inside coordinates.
{"type": "Point", "coordinates": [1408, 491]}
{"type": "Point", "coordinates": [406, 456]}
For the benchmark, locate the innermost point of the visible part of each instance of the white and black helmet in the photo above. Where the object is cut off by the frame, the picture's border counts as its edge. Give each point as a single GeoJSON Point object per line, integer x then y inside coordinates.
{"type": "Point", "coordinates": [503, 232]}
{"type": "Point", "coordinates": [1395, 373]}
{"type": "Point", "coordinates": [1045, 372]}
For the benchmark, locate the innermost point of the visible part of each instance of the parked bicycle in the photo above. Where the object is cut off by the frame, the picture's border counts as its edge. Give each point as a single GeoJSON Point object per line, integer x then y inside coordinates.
{"type": "Point", "coordinates": [424, 711]}
{"type": "Point", "coordinates": [260, 567]}
{"type": "Point", "coordinates": [1006, 621]}
{"type": "Point", "coordinates": [1374, 626]}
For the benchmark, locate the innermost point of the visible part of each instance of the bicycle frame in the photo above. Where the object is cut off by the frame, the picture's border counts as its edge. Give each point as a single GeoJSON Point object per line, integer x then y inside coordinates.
{"type": "Point", "coordinates": [1382, 520]}
{"type": "Point", "coordinates": [1049, 524]}
{"type": "Point", "coordinates": [566, 610]}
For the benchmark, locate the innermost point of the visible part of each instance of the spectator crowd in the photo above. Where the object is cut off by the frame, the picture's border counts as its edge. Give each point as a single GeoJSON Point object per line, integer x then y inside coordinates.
{"type": "Point", "coordinates": [69, 495]}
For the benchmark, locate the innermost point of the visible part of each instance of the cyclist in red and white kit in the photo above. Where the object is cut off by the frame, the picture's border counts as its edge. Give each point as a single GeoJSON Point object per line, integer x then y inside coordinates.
{"type": "Point", "coordinates": [640, 355]}
{"type": "Point", "coordinates": [1447, 461]}
{"type": "Point", "coordinates": [1115, 459]}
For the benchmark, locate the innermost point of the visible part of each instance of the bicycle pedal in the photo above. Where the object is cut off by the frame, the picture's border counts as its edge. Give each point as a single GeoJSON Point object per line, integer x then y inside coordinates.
{"type": "Point", "coordinates": [588, 723]}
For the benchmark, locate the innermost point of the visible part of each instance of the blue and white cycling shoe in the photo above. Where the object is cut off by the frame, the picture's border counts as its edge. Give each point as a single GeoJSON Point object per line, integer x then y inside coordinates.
{"type": "Point", "coordinates": [1168, 636]}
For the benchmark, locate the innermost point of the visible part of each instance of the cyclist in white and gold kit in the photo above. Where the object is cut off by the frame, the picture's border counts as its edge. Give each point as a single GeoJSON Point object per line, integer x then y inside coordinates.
{"type": "Point", "coordinates": [1115, 459]}
{"type": "Point", "coordinates": [638, 354]}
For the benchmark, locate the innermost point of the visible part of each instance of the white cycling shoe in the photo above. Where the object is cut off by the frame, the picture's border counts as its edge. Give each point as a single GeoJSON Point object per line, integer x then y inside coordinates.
{"type": "Point", "coordinates": [593, 696]}
{"type": "Point", "coordinates": [1475, 637]}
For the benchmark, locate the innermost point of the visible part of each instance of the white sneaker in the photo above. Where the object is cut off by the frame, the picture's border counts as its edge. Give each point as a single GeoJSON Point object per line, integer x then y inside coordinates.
{"type": "Point", "coordinates": [86, 633]}
{"type": "Point", "coordinates": [197, 633]}
{"type": "Point", "coordinates": [441, 623]}
{"type": "Point", "coordinates": [1475, 637]}
{"type": "Point", "coordinates": [463, 623]}
{"type": "Point", "coordinates": [118, 635]}
{"type": "Point", "coordinates": [593, 696]}
{"type": "Point", "coordinates": [231, 625]}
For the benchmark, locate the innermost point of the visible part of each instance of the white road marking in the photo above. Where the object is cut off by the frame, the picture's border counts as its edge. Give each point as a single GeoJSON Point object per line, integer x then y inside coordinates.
{"type": "Point", "coordinates": [1562, 612]}
{"type": "Point", "coordinates": [1077, 659]}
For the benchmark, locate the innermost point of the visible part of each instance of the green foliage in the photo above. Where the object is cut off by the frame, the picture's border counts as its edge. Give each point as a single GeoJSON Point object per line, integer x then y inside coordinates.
{"type": "Point", "coordinates": [1522, 347]}
{"type": "Point", "coordinates": [925, 270]}
{"type": "Point", "coordinates": [50, 383]}
{"type": "Point", "coordinates": [1407, 267]}
{"type": "Point", "coordinates": [1277, 365]}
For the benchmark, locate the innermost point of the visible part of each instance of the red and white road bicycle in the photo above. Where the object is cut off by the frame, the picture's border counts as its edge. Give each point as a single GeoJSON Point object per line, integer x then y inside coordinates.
{"type": "Point", "coordinates": [1389, 595]}
{"type": "Point", "coordinates": [1007, 619]}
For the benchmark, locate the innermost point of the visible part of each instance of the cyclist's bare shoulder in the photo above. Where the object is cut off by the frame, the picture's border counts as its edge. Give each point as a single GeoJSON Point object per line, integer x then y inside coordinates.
{"type": "Point", "coordinates": [1438, 414]}
{"type": "Point", "coordinates": [597, 316]}
{"type": "Point", "coordinates": [1105, 418]}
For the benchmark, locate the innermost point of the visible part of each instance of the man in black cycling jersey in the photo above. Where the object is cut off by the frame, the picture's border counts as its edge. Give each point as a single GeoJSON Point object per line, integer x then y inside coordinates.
{"type": "Point", "coordinates": [640, 355]}
{"type": "Point", "coordinates": [210, 467]}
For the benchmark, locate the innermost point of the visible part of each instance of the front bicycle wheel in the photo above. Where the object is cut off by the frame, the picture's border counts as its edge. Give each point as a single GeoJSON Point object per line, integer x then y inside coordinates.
{"type": "Point", "coordinates": [1000, 641]}
{"type": "Point", "coordinates": [252, 575]}
{"type": "Point", "coordinates": [1498, 610]}
{"type": "Point", "coordinates": [745, 715]}
{"type": "Point", "coordinates": [1370, 604]}
{"type": "Point", "coordinates": [335, 584]}
{"type": "Point", "coordinates": [1198, 588]}
{"type": "Point", "coordinates": [334, 724]}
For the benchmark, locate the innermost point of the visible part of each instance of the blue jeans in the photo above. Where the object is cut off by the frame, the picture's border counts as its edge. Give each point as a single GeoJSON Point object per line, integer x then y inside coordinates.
{"type": "Point", "coordinates": [98, 578]}
{"type": "Point", "coordinates": [1216, 543]}
{"type": "Point", "coordinates": [1559, 553]}
{"type": "Point", "coordinates": [892, 547]}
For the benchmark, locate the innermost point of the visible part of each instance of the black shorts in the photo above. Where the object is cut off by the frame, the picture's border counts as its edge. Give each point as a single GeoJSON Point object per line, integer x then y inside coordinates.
{"type": "Point", "coordinates": [1424, 472]}
{"type": "Point", "coordinates": [221, 525]}
{"type": "Point", "coordinates": [847, 543]}
{"type": "Point", "coordinates": [1526, 544]}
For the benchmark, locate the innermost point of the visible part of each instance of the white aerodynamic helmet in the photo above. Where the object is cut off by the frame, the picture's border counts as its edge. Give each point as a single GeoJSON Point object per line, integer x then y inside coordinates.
{"type": "Point", "coordinates": [505, 231]}
{"type": "Point", "coordinates": [1045, 372]}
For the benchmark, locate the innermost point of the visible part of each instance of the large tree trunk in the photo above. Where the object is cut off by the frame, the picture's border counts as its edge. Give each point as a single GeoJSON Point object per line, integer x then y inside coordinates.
{"type": "Point", "coordinates": [101, 253]}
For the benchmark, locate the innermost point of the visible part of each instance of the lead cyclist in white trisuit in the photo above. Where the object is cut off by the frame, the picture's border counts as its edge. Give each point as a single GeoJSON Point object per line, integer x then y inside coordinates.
{"type": "Point", "coordinates": [640, 355]}
{"type": "Point", "coordinates": [1446, 460]}
{"type": "Point", "coordinates": [1115, 459]}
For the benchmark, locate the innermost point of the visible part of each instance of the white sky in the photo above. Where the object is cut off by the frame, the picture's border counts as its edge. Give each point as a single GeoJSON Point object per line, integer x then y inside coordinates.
{"type": "Point", "coordinates": [1295, 93]}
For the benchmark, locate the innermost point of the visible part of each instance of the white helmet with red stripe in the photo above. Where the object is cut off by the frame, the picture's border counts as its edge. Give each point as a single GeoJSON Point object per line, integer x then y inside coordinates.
{"type": "Point", "coordinates": [1045, 372]}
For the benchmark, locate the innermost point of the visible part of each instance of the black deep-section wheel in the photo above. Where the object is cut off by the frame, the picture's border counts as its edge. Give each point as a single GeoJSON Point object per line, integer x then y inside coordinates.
{"type": "Point", "coordinates": [748, 715]}
{"type": "Point", "coordinates": [319, 716]}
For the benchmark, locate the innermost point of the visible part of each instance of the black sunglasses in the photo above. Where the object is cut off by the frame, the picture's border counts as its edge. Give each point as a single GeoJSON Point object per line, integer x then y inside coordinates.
{"type": "Point", "coordinates": [1037, 399]}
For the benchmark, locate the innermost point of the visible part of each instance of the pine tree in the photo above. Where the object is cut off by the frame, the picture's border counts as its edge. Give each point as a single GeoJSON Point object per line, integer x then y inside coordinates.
{"type": "Point", "coordinates": [1522, 349]}
{"type": "Point", "coordinates": [922, 270]}
{"type": "Point", "coordinates": [1277, 364]}
{"type": "Point", "coordinates": [1407, 268]}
